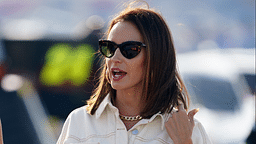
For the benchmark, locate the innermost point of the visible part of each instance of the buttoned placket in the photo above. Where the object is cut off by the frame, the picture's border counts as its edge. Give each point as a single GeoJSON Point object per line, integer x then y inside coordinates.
{"type": "Point", "coordinates": [122, 135]}
{"type": "Point", "coordinates": [128, 137]}
{"type": "Point", "coordinates": [133, 133]}
{"type": "Point", "coordinates": [121, 132]}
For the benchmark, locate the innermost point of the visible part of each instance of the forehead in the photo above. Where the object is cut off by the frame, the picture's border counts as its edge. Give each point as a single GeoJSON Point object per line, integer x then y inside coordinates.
{"type": "Point", "coordinates": [124, 31]}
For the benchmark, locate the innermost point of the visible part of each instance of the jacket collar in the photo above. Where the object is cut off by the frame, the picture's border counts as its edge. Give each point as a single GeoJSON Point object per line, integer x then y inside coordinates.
{"type": "Point", "coordinates": [155, 116]}
{"type": "Point", "coordinates": [107, 102]}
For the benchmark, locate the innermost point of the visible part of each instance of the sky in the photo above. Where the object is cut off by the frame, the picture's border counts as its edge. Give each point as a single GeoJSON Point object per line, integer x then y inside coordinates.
{"type": "Point", "coordinates": [196, 24]}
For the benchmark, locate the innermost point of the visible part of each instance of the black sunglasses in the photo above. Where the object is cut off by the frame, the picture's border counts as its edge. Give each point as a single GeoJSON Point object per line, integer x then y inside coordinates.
{"type": "Point", "coordinates": [129, 49]}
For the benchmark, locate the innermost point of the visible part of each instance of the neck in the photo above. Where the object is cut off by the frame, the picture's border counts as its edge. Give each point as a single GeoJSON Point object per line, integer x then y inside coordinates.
{"type": "Point", "coordinates": [129, 102]}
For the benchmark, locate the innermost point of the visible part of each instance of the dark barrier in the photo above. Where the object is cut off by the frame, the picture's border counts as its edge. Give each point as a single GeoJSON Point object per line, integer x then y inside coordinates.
{"type": "Point", "coordinates": [16, 124]}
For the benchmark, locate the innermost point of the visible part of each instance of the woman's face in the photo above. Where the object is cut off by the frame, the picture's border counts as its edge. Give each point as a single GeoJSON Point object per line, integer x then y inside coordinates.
{"type": "Point", "coordinates": [131, 70]}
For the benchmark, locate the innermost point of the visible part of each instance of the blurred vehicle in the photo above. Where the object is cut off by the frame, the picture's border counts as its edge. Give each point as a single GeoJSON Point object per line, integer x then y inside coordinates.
{"type": "Point", "coordinates": [216, 86]}
{"type": "Point", "coordinates": [244, 59]}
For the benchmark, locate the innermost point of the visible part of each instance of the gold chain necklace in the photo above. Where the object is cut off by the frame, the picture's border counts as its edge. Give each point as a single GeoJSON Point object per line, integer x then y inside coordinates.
{"type": "Point", "coordinates": [130, 118]}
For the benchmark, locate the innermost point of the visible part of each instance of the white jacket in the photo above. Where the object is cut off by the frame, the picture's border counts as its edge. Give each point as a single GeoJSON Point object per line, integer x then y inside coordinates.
{"type": "Point", "coordinates": [105, 127]}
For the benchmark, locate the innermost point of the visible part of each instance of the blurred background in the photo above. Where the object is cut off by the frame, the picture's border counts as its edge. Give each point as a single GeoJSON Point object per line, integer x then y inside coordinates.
{"type": "Point", "coordinates": [48, 63]}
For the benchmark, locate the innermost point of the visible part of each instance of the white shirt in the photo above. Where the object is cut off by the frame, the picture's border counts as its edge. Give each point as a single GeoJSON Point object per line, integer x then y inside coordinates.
{"type": "Point", "coordinates": [105, 127]}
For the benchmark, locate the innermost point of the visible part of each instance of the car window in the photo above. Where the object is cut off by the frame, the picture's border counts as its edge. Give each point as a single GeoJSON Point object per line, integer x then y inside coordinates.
{"type": "Point", "coordinates": [213, 93]}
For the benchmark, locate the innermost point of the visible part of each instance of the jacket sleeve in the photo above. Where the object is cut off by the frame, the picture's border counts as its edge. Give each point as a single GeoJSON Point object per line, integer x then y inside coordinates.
{"type": "Point", "coordinates": [199, 135]}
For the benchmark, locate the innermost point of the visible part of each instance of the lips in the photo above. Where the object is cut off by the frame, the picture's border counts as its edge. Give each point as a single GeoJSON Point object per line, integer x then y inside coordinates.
{"type": "Point", "coordinates": [117, 74]}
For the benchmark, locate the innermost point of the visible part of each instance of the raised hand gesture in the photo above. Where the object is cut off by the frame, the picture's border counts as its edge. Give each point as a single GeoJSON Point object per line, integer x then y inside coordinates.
{"type": "Point", "coordinates": [180, 125]}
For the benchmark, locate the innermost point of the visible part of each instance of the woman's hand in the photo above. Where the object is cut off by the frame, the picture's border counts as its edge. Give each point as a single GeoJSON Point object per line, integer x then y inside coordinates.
{"type": "Point", "coordinates": [180, 125]}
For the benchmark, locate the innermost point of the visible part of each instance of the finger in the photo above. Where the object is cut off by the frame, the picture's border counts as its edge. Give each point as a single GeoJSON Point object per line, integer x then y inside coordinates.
{"type": "Point", "coordinates": [191, 114]}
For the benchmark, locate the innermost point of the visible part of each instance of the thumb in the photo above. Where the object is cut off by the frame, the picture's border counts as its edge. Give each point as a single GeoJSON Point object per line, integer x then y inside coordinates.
{"type": "Point", "coordinates": [191, 114]}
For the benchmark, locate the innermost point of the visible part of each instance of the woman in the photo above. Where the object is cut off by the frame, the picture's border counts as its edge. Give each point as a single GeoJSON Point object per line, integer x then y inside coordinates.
{"type": "Point", "coordinates": [140, 97]}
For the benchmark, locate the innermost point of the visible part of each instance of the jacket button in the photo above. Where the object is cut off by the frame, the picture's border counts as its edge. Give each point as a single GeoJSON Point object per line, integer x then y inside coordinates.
{"type": "Point", "coordinates": [135, 132]}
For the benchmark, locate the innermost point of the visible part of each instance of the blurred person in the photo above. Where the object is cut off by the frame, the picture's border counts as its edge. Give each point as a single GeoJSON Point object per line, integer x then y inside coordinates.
{"type": "Point", "coordinates": [140, 97]}
{"type": "Point", "coordinates": [1, 135]}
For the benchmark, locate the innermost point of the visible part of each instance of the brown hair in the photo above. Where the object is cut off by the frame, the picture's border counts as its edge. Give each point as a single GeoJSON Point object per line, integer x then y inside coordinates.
{"type": "Point", "coordinates": [162, 85]}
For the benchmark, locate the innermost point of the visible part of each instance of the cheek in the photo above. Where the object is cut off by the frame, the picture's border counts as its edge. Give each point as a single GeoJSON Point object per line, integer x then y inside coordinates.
{"type": "Point", "coordinates": [142, 67]}
{"type": "Point", "coordinates": [143, 63]}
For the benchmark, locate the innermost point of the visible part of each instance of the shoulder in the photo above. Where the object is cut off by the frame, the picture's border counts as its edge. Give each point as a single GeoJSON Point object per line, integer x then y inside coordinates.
{"type": "Point", "coordinates": [199, 127]}
{"type": "Point", "coordinates": [79, 114]}
{"type": "Point", "coordinates": [81, 126]}
{"type": "Point", "coordinates": [199, 134]}
{"type": "Point", "coordinates": [198, 124]}
{"type": "Point", "coordinates": [74, 126]}
{"type": "Point", "coordinates": [76, 117]}
{"type": "Point", "coordinates": [71, 125]}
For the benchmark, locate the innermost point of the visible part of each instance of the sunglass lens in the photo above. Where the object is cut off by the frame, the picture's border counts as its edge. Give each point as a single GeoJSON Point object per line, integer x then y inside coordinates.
{"type": "Point", "coordinates": [131, 51]}
{"type": "Point", "coordinates": [107, 49]}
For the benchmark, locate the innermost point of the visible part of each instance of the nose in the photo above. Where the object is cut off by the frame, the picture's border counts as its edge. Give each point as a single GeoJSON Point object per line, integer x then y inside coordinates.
{"type": "Point", "coordinates": [117, 57]}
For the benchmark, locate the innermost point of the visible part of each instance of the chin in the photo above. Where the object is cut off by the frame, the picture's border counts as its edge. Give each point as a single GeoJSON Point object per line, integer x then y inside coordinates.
{"type": "Point", "coordinates": [118, 86]}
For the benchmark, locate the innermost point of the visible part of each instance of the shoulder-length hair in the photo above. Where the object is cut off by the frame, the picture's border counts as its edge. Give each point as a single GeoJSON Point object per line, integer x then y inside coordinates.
{"type": "Point", "coordinates": [163, 88]}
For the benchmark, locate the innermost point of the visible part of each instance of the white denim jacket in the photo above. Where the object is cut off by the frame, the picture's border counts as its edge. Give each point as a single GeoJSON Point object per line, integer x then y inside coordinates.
{"type": "Point", "coordinates": [105, 127]}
